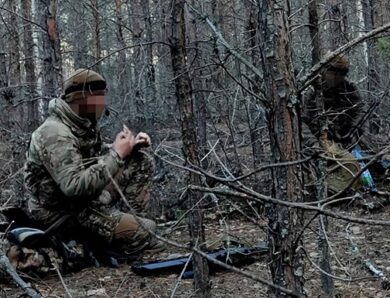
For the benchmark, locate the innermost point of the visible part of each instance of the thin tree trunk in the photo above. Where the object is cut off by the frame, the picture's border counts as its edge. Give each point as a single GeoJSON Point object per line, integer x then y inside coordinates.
{"type": "Point", "coordinates": [286, 262]}
{"type": "Point", "coordinates": [255, 113]}
{"type": "Point", "coordinates": [188, 128]}
{"type": "Point", "coordinates": [97, 49]}
{"type": "Point", "coordinates": [374, 15]}
{"type": "Point", "coordinates": [80, 37]}
{"type": "Point", "coordinates": [46, 13]}
{"type": "Point", "coordinates": [199, 87]}
{"type": "Point", "coordinates": [327, 283]}
{"type": "Point", "coordinates": [29, 66]}
{"type": "Point", "coordinates": [3, 70]}
{"type": "Point", "coordinates": [336, 24]}
{"type": "Point", "coordinates": [137, 27]}
{"type": "Point", "coordinates": [150, 78]}
{"type": "Point", "coordinates": [14, 61]}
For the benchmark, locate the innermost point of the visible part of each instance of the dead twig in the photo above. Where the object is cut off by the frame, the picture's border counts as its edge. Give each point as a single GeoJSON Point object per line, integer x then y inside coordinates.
{"type": "Point", "coordinates": [7, 267]}
{"type": "Point", "coordinates": [55, 265]}
{"type": "Point", "coordinates": [181, 275]}
{"type": "Point", "coordinates": [200, 252]}
{"type": "Point", "coordinates": [249, 194]}
{"type": "Point", "coordinates": [367, 262]}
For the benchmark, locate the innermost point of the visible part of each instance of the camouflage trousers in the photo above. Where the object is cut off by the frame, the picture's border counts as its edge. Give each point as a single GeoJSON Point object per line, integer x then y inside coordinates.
{"type": "Point", "coordinates": [108, 216]}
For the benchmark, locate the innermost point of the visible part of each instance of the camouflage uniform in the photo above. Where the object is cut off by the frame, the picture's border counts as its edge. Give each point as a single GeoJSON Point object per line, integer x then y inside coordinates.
{"type": "Point", "coordinates": [65, 175]}
{"type": "Point", "coordinates": [343, 109]}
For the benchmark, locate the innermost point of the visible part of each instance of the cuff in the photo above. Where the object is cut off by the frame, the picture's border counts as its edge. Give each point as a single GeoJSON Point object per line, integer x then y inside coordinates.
{"type": "Point", "coordinates": [118, 160]}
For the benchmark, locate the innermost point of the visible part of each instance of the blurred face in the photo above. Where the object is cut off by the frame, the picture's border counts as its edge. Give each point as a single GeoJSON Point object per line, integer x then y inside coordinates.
{"type": "Point", "coordinates": [90, 107]}
{"type": "Point", "coordinates": [334, 78]}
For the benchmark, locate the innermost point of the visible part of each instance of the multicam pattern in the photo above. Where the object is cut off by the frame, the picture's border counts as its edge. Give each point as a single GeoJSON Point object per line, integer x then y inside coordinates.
{"type": "Point", "coordinates": [65, 175]}
{"type": "Point", "coordinates": [343, 109]}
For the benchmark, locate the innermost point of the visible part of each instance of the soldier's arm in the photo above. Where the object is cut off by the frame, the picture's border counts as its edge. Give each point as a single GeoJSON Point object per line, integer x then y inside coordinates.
{"type": "Point", "coordinates": [358, 109]}
{"type": "Point", "coordinates": [60, 154]}
{"type": "Point", "coordinates": [310, 114]}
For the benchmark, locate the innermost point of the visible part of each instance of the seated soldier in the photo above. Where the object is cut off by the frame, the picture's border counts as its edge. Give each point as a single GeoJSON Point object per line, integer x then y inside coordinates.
{"type": "Point", "coordinates": [333, 114]}
{"type": "Point", "coordinates": [341, 108]}
{"type": "Point", "coordinates": [66, 173]}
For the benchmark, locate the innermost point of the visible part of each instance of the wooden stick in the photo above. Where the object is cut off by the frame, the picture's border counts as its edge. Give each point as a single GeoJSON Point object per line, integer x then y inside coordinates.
{"type": "Point", "coordinates": [6, 266]}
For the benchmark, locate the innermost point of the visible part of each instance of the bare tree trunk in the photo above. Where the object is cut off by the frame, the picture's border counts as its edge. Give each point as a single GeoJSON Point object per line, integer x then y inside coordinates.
{"type": "Point", "coordinates": [194, 34]}
{"type": "Point", "coordinates": [14, 118]}
{"type": "Point", "coordinates": [188, 128]}
{"type": "Point", "coordinates": [375, 15]}
{"type": "Point", "coordinates": [3, 70]}
{"type": "Point", "coordinates": [327, 283]}
{"type": "Point", "coordinates": [51, 69]}
{"type": "Point", "coordinates": [286, 263]}
{"type": "Point", "coordinates": [138, 27]}
{"type": "Point", "coordinates": [78, 19]}
{"type": "Point", "coordinates": [336, 24]}
{"type": "Point", "coordinates": [150, 79]}
{"type": "Point", "coordinates": [97, 49]}
{"type": "Point", "coordinates": [13, 44]}
{"type": "Point", "coordinates": [29, 66]}
{"type": "Point", "coordinates": [255, 113]}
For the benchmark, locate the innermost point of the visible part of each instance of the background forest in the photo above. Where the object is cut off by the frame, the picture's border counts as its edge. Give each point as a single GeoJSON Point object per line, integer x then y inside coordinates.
{"type": "Point", "coordinates": [217, 85]}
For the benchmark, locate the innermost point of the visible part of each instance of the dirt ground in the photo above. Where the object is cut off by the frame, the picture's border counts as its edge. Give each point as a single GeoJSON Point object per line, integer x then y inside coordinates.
{"type": "Point", "coordinates": [352, 277]}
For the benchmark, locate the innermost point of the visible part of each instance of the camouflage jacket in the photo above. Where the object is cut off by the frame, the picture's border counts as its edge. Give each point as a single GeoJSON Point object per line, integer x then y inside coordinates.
{"type": "Point", "coordinates": [63, 170]}
{"type": "Point", "coordinates": [343, 110]}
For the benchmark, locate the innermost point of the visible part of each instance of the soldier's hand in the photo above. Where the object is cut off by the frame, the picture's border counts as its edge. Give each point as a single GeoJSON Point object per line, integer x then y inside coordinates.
{"type": "Point", "coordinates": [124, 143]}
{"type": "Point", "coordinates": [142, 140]}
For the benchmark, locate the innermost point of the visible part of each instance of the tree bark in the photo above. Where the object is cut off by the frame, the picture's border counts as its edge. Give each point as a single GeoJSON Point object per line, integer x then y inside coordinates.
{"type": "Point", "coordinates": [49, 51]}
{"type": "Point", "coordinates": [255, 112]}
{"type": "Point", "coordinates": [286, 262]}
{"type": "Point", "coordinates": [327, 283]}
{"type": "Point", "coordinates": [188, 128]}
{"type": "Point", "coordinates": [29, 66]}
{"type": "Point", "coordinates": [337, 24]}
{"type": "Point", "coordinates": [13, 44]}
{"type": "Point", "coordinates": [97, 49]}
{"type": "Point", "coordinates": [375, 15]}
{"type": "Point", "coordinates": [150, 78]}
{"type": "Point", "coordinates": [78, 19]}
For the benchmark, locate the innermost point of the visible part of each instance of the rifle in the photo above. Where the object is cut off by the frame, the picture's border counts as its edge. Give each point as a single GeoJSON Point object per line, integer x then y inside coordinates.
{"type": "Point", "coordinates": [235, 256]}
{"type": "Point", "coordinates": [7, 269]}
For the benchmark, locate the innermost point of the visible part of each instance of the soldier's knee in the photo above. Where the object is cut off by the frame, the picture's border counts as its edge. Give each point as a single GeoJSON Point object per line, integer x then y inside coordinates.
{"type": "Point", "coordinates": [130, 227]}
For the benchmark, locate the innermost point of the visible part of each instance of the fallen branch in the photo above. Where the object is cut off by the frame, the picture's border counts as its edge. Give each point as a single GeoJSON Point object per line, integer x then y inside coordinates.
{"type": "Point", "coordinates": [330, 56]}
{"type": "Point", "coordinates": [6, 266]}
{"type": "Point", "coordinates": [367, 262]}
{"type": "Point", "coordinates": [252, 195]}
{"type": "Point", "coordinates": [248, 274]}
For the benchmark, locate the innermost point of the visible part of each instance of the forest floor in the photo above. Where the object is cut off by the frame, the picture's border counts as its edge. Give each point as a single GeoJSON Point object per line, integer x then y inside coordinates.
{"type": "Point", "coordinates": [352, 279]}
{"type": "Point", "coordinates": [372, 241]}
